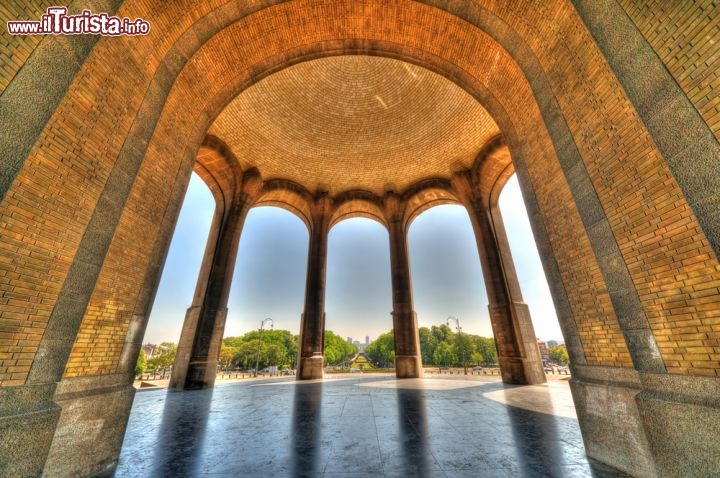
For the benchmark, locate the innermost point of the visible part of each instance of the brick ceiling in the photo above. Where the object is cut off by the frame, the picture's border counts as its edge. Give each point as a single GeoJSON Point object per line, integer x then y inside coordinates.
{"type": "Point", "coordinates": [355, 122]}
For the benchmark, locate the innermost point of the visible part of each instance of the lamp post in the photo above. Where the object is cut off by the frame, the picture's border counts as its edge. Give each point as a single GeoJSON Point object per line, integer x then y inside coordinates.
{"type": "Point", "coordinates": [257, 355]}
{"type": "Point", "coordinates": [460, 341]}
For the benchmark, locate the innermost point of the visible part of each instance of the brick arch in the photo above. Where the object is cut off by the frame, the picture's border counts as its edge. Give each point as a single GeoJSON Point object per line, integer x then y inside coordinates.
{"type": "Point", "coordinates": [491, 171]}
{"type": "Point", "coordinates": [205, 90]}
{"type": "Point", "coordinates": [217, 166]}
{"type": "Point", "coordinates": [287, 195]}
{"type": "Point", "coordinates": [357, 204]}
{"type": "Point", "coordinates": [98, 273]}
{"type": "Point", "coordinates": [426, 195]}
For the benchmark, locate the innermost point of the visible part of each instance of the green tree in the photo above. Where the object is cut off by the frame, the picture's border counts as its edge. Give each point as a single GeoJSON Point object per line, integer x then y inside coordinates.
{"type": "Point", "coordinates": [337, 350]}
{"type": "Point", "coordinates": [141, 363]}
{"type": "Point", "coordinates": [246, 354]}
{"type": "Point", "coordinates": [277, 347]}
{"type": "Point", "coordinates": [253, 353]}
{"type": "Point", "coordinates": [558, 354]}
{"type": "Point", "coordinates": [444, 354]}
{"type": "Point", "coordinates": [486, 347]}
{"type": "Point", "coordinates": [274, 354]}
{"type": "Point", "coordinates": [442, 333]}
{"type": "Point", "coordinates": [464, 348]}
{"type": "Point", "coordinates": [226, 355]}
{"type": "Point", "coordinates": [165, 358]}
{"type": "Point", "coordinates": [382, 350]}
{"type": "Point", "coordinates": [428, 342]}
{"type": "Point", "coordinates": [234, 342]}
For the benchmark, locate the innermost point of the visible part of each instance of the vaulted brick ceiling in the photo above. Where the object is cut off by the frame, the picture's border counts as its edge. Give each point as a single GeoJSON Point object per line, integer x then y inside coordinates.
{"type": "Point", "coordinates": [355, 122]}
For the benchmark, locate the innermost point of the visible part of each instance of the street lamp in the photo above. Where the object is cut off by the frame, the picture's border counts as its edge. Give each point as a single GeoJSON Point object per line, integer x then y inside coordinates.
{"type": "Point", "coordinates": [257, 355]}
{"type": "Point", "coordinates": [460, 341]}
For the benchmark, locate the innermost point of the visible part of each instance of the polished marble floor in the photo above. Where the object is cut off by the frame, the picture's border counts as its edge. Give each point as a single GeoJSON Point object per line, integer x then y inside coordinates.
{"type": "Point", "coordinates": [357, 426]}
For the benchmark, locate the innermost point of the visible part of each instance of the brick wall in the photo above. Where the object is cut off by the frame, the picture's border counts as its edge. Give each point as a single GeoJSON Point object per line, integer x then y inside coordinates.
{"type": "Point", "coordinates": [591, 302]}
{"type": "Point", "coordinates": [686, 37]}
{"type": "Point", "coordinates": [48, 206]}
{"type": "Point", "coordinates": [46, 210]}
{"type": "Point", "coordinates": [15, 50]}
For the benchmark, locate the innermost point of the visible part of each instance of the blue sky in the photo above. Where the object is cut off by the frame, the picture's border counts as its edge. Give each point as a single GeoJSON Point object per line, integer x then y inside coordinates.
{"type": "Point", "coordinates": [269, 279]}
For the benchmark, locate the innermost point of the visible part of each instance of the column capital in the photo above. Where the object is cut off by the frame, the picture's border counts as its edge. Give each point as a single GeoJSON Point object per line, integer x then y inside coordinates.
{"type": "Point", "coordinates": [249, 190]}
{"type": "Point", "coordinates": [252, 183]}
{"type": "Point", "coordinates": [321, 209]}
{"type": "Point", "coordinates": [466, 192]}
{"type": "Point", "coordinates": [393, 207]}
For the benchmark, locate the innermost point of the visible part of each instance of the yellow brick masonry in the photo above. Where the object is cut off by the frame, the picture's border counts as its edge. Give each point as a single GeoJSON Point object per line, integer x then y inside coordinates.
{"type": "Point", "coordinates": [49, 205]}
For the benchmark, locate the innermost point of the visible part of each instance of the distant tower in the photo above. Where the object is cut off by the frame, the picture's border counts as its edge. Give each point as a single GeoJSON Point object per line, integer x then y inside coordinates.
{"type": "Point", "coordinates": [349, 340]}
{"type": "Point", "coordinates": [367, 340]}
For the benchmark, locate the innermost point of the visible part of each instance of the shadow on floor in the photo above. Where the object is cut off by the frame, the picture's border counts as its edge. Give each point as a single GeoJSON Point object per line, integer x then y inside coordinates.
{"type": "Point", "coordinates": [336, 428]}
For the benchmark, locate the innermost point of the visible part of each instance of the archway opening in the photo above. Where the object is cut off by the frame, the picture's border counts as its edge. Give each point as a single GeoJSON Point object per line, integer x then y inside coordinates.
{"type": "Point", "coordinates": [531, 276]}
{"type": "Point", "coordinates": [358, 298]}
{"type": "Point", "coordinates": [267, 295]}
{"type": "Point", "coordinates": [178, 281]}
{"type": "Point", "coordinates": [448, 291]}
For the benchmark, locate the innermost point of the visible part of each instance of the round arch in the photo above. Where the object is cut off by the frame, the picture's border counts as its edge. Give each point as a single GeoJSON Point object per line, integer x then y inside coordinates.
{"type": "Point", "coordinates": [357, 204]}
{"type": "Point", "coordinates": [205, 90]}
{"type": "Point", "coordinates": [169, 95]}
{"type": "Point", "coordinates": [289, 196]}
{"type": "Point", "coordinates": [426, 195]}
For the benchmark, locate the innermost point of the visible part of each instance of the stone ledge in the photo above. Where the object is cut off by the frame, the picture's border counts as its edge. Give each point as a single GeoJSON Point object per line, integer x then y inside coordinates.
{"type": "Point", "coordinates": [693, 389]}
{"type": "Point", "coordinates": [24, 399]}
{"type": "Point", "coordinates": [71, 388]}
{"type": "Point", "coordinates": [618, 376]}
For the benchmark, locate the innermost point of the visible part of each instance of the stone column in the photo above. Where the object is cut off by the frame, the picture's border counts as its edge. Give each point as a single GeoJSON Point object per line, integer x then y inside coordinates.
{"type": "Point", "coordinates": [408, 363]}
{"type": "Point", "coordinates": [520, 361]}
{"type": "Point", "coordinates": [199, 348]}
{"type": "Point", "coordinates": [312, 324]}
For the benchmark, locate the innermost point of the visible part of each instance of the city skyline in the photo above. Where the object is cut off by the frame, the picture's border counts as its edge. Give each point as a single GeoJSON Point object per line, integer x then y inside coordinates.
{"type": "Point", "coordinates": [269, 278]}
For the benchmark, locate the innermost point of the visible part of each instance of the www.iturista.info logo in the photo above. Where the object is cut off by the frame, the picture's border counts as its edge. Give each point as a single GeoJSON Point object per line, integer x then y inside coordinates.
{"type": "Point", "coordinates": [57, 22]}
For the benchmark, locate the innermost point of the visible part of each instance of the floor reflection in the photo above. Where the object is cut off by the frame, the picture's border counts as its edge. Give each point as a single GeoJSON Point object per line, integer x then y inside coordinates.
{"type": "Point", "coordinates": [412, 412]}
{"type": "Point", "coordinates": [357, 427]}
{"type": "Point", "coordinates": [182, 434]}
{"type": "Point", "coordinates": [306, 430]}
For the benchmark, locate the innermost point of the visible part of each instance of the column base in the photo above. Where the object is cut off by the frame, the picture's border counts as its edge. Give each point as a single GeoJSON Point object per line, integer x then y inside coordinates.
{"type": "Point", "coordinates": [197, 372]}
{"type": "Point", "coordinates": [520, 361]}
{"type": "Point", "coordinates": [28, 418]}
{"type": "Point", "coordinates": [610, 421]}
{"type": "Point", "coordinates": [310, 368]}
{"type": "Point", "coordinates": [92, 424]}
{"type": "Point", "coordinates": [681, 416]}
{"type": "Point", "coordinates": [518, 371]}
{"type": "Point", "coordinates": [200, 375]}
{"type": "Point", "coordinates": [408, 366]}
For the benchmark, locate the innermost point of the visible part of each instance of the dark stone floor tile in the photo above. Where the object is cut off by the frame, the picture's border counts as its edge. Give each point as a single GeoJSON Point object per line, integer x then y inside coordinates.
{"type": "Point", "coordinates": [340, 429]}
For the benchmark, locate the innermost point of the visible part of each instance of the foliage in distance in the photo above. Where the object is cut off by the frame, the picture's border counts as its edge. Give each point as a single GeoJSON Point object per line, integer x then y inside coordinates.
{"type": "Point", "coordinates": [277, 348]}
{"type": "Point", "coordinates": [161, 361]}
{"type": "Point", "coordinates": [439, 346]}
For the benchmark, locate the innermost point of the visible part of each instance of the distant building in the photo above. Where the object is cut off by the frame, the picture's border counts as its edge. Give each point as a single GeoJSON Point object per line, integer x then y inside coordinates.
{"type": "Point", "coordinates": [349, 340]}
{"type": "Point", "coordinates": [367, 340]}
{"type": "Point", "coordinates": [552, 343]}
{"type": "Point", "coordinates": [543, 349]}
{"type": "Point", "coordinates": [151, 350]}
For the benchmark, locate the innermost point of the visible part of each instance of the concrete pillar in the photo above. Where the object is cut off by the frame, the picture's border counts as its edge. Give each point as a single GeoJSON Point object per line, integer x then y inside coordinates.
{"type": "Point", "coordinates": [408, 363]}
{"type": "Point", "coordinates": [520, 361]}
{"type": "Point", "coordinates": [199, 348]}
{"type": "Point", "coordinates": [312, 324]}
